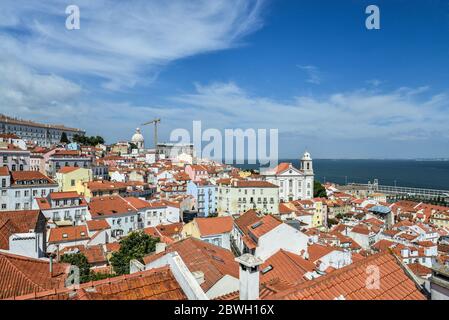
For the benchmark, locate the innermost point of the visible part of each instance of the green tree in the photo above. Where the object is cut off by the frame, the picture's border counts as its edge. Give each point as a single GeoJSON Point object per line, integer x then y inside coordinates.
{"type": "Point", "coordinates": [64, 138]}
{"type": "Point", "coordinates": [318, 190]}
{"type": "Point", "coordinates": [79, 260]}
{"type": "Point", "coordinates": [135, 246]}
{"type": "Point", "coordinates": [132, 146]}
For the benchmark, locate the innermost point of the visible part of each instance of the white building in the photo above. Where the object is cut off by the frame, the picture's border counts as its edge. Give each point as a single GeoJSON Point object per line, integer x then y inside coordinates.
{"type": "Point", "coordinates": [161, 213]}
{"type": "Point", "coordinates": [124, 215]}
{"type": "Point", "coordinates": [242, 195]}
{"type": "Point", "coordinates": [294, 184]}
{"type": "Point", "coordinates": [19, 188]}
{"type": "Point", "coordinates": [23, 232]}
{"type": "Point", "coordinates": [268, 235]}
{"type": "Point", "coordinates": [63, 208]}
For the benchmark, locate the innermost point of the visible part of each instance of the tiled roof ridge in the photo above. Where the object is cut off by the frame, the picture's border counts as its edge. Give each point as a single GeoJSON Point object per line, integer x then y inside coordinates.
{"type": "Point", "coordinates": [288, 254]}
{"type": "Point", "coordinates": [336, 273]}
{"type": "Point", "coordinates": [24, 275]}
{"type": "Point", "coordinates": [91, 284]}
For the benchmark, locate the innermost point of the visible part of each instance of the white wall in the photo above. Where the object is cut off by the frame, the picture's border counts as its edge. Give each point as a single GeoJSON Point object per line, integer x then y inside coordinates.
{"type": "Point", "coordinates": [281, 237]}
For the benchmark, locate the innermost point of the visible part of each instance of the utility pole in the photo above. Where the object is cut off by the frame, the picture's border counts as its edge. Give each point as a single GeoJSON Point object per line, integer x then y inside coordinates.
{"type": "Point", "coordinates": [155, 122]}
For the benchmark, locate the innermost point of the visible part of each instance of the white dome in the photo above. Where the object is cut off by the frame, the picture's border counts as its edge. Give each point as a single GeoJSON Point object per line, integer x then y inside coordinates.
{"type": "Point", "coordinates": [137, 137]}
{"type": "Point", "coordinates": [306, 156]}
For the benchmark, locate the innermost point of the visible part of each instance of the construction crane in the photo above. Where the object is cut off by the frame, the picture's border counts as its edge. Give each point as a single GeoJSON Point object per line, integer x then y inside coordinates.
{"type": "Point", "coordinates": [155, 122]}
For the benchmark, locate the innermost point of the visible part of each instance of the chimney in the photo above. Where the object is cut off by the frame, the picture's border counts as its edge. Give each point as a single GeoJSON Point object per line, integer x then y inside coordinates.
{"type": "Point", "coordinates": [249, 276]}
{"type": "Point", "coordinates": [160, 247]}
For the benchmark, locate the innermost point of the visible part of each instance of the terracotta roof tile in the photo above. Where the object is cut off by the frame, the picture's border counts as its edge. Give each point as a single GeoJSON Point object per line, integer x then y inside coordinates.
{"type": "Point", "coordinates": [22, 275]}
{"type": "Point", "coordinates": [350, 282]}
{"type": "Point", "coordinates": [216, 225]}
{"type": "Point", "coordinates": [286, 266]}
{"type": "Point", "coordinates": [155, 284]}
{"type": "Point", "coordinates": [215, 262]}
{"type": "Point", "coordinates": [68, 234]}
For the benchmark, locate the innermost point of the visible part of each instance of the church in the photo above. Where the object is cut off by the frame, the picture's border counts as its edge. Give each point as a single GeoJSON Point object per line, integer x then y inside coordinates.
{"type": "Point", "coordinates": [294, 184]}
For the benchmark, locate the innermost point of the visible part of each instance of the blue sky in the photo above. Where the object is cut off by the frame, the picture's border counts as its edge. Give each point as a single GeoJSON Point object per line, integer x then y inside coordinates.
{"type": "Point", "coordinates": [308, 68]}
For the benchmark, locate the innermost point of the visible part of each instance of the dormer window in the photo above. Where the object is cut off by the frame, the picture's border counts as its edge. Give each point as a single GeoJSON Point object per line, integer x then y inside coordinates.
{"type": "Point", "coordinates": [64, 235]}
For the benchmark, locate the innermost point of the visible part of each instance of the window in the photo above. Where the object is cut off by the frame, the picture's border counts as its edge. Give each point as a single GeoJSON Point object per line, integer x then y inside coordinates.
{"type": "Point", "coordinates": [26, 193]}
{"type": "Point", "coordinates": [3, 205]}
{"type": "Point", "coordinates": [72, 182]}
{"type": "Point", "coordinates": [3, 183]}
{"type": "Point", "coordinates": [17, 194]}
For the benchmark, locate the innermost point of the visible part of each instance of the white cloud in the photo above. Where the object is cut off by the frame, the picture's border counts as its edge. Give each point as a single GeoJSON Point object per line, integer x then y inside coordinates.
{"type": "Point", "coordinates": [314, 75]}
{"type": "Point", "coordinates": [403, 114]}
{"type": "Point", "coordinates": [120, 41]}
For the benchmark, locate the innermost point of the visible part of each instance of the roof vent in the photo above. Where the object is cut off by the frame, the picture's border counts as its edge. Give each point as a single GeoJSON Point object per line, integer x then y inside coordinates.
{"type": "Point", "coordinates": [256, 225]}
{"type": "Point", "coordinates": [64, 235]}
{"type": "Point", "coordinates": [267, 269]}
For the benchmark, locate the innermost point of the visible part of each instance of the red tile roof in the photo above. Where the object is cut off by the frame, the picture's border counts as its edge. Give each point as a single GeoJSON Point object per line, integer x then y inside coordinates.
{"type": "Point", "coordinates": [286, 266]}
{"type": "Point", "coordinates": [97, 225]}
{"type": "Point", "coordinates": [350, 283]}
{"type": "Point", "coordinates": [216, 225]}
{"type": "Point", "coordinates": [64, 195]}
{"type": "Point", "coordinates": [110, 205]}
{"type": "Point", "coordinates": [66, 234]}
{"type": "Point", "coordinates": [248, 218]}
{"type": "Point", "coordinates": [30, 175]}
{"type": "Point", "coordinates": [155, 284]}
{"type": "Point", "coordinates": [317, 251]}
{"type": "Point", "coordinates": [215, 262]}
{"type": "Point", "coordinates": [65, 170]}
{"type": "Point", "coordinates": [255, 184]}
{"type": "Point", "coordinates": [4, 171]}
{"type": "Point", "coordinates": [12, 222]}
{"type": "Point", "coordinates": [21, 275]}
{"type": "Point", "coordinates": [265, 225]}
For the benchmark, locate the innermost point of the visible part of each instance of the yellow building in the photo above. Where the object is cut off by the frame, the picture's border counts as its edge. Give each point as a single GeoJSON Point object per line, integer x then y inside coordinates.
{"type": "Point", "coordinates": [71, 178]}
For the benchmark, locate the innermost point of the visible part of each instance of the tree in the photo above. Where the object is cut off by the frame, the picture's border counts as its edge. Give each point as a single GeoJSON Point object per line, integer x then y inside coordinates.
{"type": "Point", "coordinates": [132, 146]}
{"type": "Point", "coordinates": [86, 274]}
{"type": "Point", "coordinates": [318, 190]}
{"type": "Point", "coordinates": [64, 138]}
{"type": "Point", "coordinates": [88, 141]}
{"type": "Point", "coordinates": [135, 246]}
{"type": "Point", "coordinates": [79, 260]}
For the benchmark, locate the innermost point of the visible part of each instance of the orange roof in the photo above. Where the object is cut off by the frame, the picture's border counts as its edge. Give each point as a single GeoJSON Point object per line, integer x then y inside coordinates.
{"type": "Point", "coordinates": [350, 283]}
{"type": "Point", "coordinates": [12, 222]}
{"type": "Point", "coordinates": [96, 225]}
{"type": "Point", "coordinates": [419, 269]}
{"type": "Point", "coordinates": [68, 169]}
{"type": "Point", "coordinates": [30, 175]}
{"type": "Point", "coordinates": [64, 195]}
{"type": "Point", "coordinates": [95, 254]}
{"type": "Point", "coordinates": [286, 266]}
{"type": "Point", "coordinates": [255, 184]}
{"type": "Point", "coordinates": [216, 225]}
{"type": "Point", "coordinates": [112, 246]}
{"type": "Point", "coordinates": [215, 262]}
{"type": "Point", "coordinates": [4, 171]}
{"type": "Point", "coordinates": [265, 225]}
{"type": "Point", "coordinates": [317, 251]}
{"type": "Point", "coordinates": [248, 218]}
{"type": "Point", "coordinates": [110, 205]}
{"type": "Point", "coordinates": [22, 275]}
{"type": "Point", "coordinates": [66, 234]}
{"type": "Point", "coordinates": [281, 167]}
{"type": "Point", "coordinates": [155, 284]}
